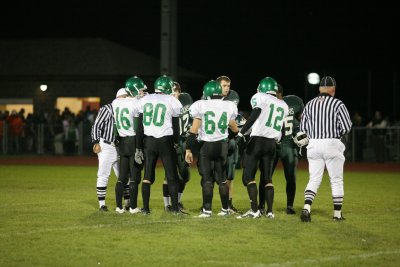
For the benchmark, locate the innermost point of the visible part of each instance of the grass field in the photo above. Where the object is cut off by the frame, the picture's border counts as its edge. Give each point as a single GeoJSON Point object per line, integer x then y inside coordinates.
{"type": "Point", "coordinates": [49, 217]}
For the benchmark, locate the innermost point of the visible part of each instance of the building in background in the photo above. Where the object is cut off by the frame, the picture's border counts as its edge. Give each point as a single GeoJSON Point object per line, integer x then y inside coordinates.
{"type": "Point", "coordinates": [77, 73]}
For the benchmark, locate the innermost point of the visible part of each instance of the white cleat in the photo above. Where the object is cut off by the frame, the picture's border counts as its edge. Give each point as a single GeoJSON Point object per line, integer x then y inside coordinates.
{"type": "Point", "coordinates": [270, 215]}
{"type": "Point", "coordinates": [204, 214]}
{"type": "Point", "coordinates": [119, 211]}
{"type": "Point", "coordinates": [224, 212]}
{"type": "Point", "coordinates": [250, 214]}
{"type": "Point", "coordinates": [135, 210]}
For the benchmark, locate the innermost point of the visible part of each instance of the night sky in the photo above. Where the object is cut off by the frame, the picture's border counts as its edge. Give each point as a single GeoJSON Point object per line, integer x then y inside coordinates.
{"type": "Point", "coordinates": [249, 40]}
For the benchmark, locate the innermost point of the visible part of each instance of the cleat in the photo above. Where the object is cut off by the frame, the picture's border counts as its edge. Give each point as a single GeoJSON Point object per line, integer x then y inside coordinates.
{"type": "Point", "coordinates": [180, 212]}
{"type": "Point", "coordinates": [262, 210]}
{"type": "Point", "coordinates": [180, 206]}
{"type": "Point", "coordinates": [290, 210]}
{"type": "Point", "coordinates": [305, 216]}
{"type": "Point", "coordinates": [337, 219]}
{"type": "Point", "coordinates": [234, 210]}
{"type": "Point", "coordinates": [135, 210]}
{"type": "Point", "coordinates": [250, 214]}
{"type": "Point", "coordinates": [224, 212]}
{"type": "Point", "coordinates": [168, 208]}
{"type": "Point", "coordinates": [204, 214]}
{"type": "Point", "coordinates": [183, 212]}
{"type": "Point", "coordinates": [270, 215]}
{"type": "Point", "coordinates": [119, 210]}
{"type": "Point", "coordinates": [103, 208]}
{"type": "Point", "coordinates": [145, 212]}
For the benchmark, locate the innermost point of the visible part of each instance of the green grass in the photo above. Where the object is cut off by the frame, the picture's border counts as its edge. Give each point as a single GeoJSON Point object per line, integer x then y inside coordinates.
{"type": "Point", "coordinates": [49, 217]}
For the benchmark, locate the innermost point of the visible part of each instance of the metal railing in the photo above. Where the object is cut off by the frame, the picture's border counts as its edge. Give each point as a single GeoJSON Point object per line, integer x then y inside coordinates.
{"type": "Point", "coordinates": [363, 144]}
{"type": "Point", "coordinates": [40, 138]}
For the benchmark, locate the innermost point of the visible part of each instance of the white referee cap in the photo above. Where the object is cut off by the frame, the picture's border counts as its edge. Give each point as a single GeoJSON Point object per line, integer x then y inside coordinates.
{"type": "Point", "coordinates": [327, 81]}
{"type": "Point", "coordinates": [121, 92]}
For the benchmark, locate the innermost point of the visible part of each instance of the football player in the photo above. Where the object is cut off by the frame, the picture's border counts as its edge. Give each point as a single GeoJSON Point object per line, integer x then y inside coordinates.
{"type": "Point", "coordinates": [159, 123]}
{"type": "Point", "coordinates": [124, 111]}
{"type": "Point", "coordinates": [233, 153]}
{"type": "Point", "coordinates": [286, 150]}
{"type": "Point", "coordinates": [211, 120]}
{"type": "Point", "coordinates": [185, 122]}
{"type": "Point", "coordinates": [266, 120]}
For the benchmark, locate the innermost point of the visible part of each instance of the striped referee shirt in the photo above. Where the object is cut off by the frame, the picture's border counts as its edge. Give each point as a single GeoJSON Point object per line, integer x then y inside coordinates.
{"type": "Point", "coordinates": [325, 117]}
{"type": "Point", "coordinates": [103, 126]}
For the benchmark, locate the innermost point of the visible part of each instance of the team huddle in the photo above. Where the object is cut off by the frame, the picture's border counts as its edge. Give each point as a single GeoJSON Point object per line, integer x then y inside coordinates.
{"type": "Point", "coordinates": [138, 129]}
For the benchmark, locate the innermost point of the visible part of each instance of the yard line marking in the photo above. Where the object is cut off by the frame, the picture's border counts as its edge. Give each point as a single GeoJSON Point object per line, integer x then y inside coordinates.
{"type": "Point", "coordinates": [307, 261]}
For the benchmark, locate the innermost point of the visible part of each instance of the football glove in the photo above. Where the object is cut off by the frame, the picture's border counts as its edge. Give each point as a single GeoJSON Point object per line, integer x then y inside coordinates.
{"type": "Point", "coordinates": [139, 157]}
{"type": "Point", "coordinates": [300, 139]}
{"type": "Point", "coordinates": [240, 139]}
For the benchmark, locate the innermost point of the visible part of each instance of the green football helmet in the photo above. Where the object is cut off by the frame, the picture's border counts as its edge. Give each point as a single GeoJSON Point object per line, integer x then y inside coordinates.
{"type": "Point", "coordinates": [164, 84]}
{"type": "Point", "coordinates": [212, 88]}
{"type": "Point", "coordinates": [268, 85]}
{"type": "Point", "coordinates": [134, 85]}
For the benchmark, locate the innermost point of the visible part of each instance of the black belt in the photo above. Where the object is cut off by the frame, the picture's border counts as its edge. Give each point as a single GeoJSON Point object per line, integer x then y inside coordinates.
{"type": "Point", "coordinates": [108, 142]}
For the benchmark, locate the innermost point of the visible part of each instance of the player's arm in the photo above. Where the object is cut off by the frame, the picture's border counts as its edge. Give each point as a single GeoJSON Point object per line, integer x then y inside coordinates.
{"type": "Point", "coordinates": [233, 129]}
{"type": "Point", "coordinates": [176, 129]}
{"type": "Point", "coordinates": [252, 119]}
{"type": "Point", "coordinates": [191, 139]}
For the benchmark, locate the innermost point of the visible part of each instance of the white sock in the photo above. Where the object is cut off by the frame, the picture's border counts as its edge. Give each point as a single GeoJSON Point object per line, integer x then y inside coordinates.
{"type": "Point", "coordinates": [307, 207]}
{"type": "Point", "coordinates": [166, 201]}
{"type": "Point", "coordinates": [337, 213]}
{"type": "Point", "coordinates": [179, 197]}
{"type": "Point", "coordinates": [127, 202]}
{"type": "Point", "coordinates": [102, 203]}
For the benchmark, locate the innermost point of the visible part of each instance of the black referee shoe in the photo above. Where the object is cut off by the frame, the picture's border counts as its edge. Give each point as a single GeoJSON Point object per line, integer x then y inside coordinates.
{"type": "Point", "coordinates": [305, 216]}
{"type": "Point", "coordinates": [290, 210]}
{"type": "Point", "coordinates": [103, 208]}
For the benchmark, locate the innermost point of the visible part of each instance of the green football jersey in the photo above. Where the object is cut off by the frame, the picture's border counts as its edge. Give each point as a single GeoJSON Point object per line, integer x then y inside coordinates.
{"type": "Point", "coordinates": [232, 96]}
{"type": "Point", "coordinates": [292, 121]}
{"type": "Point", "coordinates": [185, 121]}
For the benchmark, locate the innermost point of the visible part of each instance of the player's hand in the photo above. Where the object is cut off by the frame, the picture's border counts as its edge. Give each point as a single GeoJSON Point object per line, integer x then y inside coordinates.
{"type": "Point", "coordinates": [96, 148]}
{"type": "Point", "coordinates": [301, 139]}
{"type": "Point", "coordinates": [139, 157]}
{"type": "Point", "coordinates": [189, 156]}
{"type": "Point", "coordinates": [240, 139]}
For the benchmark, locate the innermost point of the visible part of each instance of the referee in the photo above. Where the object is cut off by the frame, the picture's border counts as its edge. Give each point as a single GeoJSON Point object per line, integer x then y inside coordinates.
{"type": "Point", "coordinates": [103, 145]}
{"type": "Point", "coordinates": [325, 120]}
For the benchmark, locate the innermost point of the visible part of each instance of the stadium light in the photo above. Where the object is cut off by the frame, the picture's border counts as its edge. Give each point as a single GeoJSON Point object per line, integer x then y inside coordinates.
{"type": "Point", "coordinates": [43, 87]}
{"type": "Point", "coordinates": [313, 78]}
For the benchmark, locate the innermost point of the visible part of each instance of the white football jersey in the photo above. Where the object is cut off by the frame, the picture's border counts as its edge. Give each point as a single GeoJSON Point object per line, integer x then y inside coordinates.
{"type": "Point", "coordinates": [215, 115]}
{"type": "Point", "coordinates": [158, 110]}
{"type": "Point", "coordinates": [124, 112]}
{"type": "Point", "coordinates": [273, 113]}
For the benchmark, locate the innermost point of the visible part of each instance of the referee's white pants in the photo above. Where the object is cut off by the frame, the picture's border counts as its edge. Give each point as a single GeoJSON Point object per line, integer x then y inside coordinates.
{"type": "Point", "coordinates": [108, 159]}
{"type": "Point", "coordinates": [329, 153]}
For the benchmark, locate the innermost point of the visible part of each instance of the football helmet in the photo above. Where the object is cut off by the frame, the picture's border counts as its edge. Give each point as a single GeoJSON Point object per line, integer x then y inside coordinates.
{"type": "Point", "coordinates": [185, 99]}
{"type": "Point", "coordinates": [212, 88]}
{"type": "Point", "coordinates": [164, 84]}
{"type": "Point", "coordinates": [268, 85]}
{"type": "Point", "coordinates": [134, 85]}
